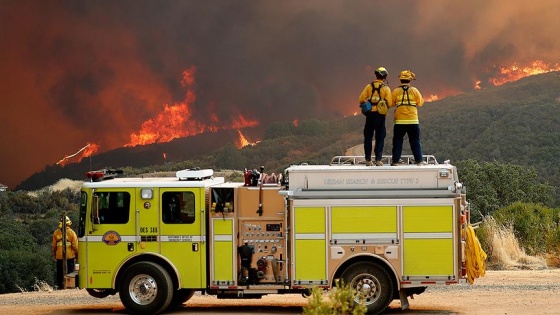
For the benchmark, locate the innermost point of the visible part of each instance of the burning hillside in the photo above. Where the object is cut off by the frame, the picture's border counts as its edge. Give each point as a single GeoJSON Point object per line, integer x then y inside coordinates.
{"type": "Point", "coordinates": [119, 76]}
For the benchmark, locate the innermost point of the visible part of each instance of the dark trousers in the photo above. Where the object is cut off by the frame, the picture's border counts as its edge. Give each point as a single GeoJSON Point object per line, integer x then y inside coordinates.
{"type": "Point", "coordinates": [70, 265]}
{"type": "Point", "coordinates": [413, 132]}
{"type": "Point", "coordinates": [375, 124]}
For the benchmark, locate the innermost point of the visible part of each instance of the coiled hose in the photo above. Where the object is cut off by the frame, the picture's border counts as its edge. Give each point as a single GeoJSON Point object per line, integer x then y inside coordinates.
{"type": "Point", "coordinates": [475, 259]}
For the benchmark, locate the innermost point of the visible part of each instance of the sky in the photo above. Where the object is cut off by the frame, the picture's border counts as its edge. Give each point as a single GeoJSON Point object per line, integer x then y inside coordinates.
{"type": "Point", "coordinates": [105, 72]}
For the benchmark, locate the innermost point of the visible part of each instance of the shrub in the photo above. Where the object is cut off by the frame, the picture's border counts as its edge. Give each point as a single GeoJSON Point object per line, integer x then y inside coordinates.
{"type": "Point", "coordinates": [535, 226]}
{"type": "Point", "coordinates": [340, 301]}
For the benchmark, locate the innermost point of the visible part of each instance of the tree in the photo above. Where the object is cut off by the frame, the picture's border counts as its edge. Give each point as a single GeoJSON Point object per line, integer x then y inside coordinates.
{"type": "Point", "coordinates": [493, 185]}
{"type": "Point", "coordinates": [230, 158]}
{"type": "Point", "coordinates": [22, 261]}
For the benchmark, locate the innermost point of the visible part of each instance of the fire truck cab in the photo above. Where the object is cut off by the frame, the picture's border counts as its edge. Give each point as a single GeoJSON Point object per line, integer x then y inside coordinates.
{"type": "Point", "coordinates": [388, 232]}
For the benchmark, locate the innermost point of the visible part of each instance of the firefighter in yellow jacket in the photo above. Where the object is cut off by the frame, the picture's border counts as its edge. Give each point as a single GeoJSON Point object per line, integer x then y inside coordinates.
{"type": "Point", "coordinates": [406, 100]}
{"type": "Point", "coordinates": [375, 122]}
{"type": "Point", "coordinates": [71, 251]}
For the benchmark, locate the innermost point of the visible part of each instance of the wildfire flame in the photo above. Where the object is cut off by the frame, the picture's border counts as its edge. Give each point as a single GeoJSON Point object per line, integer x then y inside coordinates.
{"type": "Point", "coordinates": [516, 72]}
{"type": "Point", "coordinates": [477, 85]}
{"type": "Point", "coordinates": [243, 142]}
{"type": "Point", "coordinates": [175, 121]}
{"type": "Point", "coordinates": [431, 98]}
{"type": "Point", "coordinates": [88, 150]}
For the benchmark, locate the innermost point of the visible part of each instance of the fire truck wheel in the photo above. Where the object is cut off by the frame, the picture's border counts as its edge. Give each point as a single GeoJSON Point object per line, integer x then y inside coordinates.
{"type": "Point", "coordinates": [371, 283]}
{"type": "Point", "coordinates": [100, 293]}
{"type": "Point", "coordinates": [146, 288]}
{"type": "Point", "coordinates": [181, 296]}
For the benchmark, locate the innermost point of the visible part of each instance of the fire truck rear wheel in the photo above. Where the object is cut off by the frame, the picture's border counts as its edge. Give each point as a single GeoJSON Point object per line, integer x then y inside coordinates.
{"type": "Point", "coordinates": [146, 288]}
{"type": "Point", "coordinates": [181, 296]}
{"type": "Point", "coordinates": [370, 282]}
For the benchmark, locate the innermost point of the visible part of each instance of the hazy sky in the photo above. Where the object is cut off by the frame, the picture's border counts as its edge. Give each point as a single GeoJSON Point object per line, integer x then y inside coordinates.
{"type": "Point", "coordinates": [78, 71]}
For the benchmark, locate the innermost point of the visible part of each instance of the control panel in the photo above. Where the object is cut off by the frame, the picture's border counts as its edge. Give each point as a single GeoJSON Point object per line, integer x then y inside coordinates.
{"type": "Point", "coordinates": [266, 238]}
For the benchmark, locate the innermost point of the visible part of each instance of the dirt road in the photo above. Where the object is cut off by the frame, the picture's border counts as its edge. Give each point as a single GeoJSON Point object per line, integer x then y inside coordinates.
{"type": "Point", "coordinates": [499, 292]}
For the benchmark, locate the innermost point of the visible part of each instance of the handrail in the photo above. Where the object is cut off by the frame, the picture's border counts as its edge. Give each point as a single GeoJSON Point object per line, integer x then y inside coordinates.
{"type": "Point", "coordinates": [386, 159]}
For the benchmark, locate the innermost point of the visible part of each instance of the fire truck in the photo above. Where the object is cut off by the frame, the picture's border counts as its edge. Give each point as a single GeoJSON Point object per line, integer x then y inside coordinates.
{"type": "Point", "coordinates": [387, 232]}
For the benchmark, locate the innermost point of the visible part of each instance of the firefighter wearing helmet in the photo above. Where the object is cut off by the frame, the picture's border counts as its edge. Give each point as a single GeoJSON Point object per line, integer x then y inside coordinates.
{"type": "Point", "coordinates": [406, 100]}
{"type": "Point", "coordinates": [375, 92]}
{"type": "Point", "coordinates": [71, 245]}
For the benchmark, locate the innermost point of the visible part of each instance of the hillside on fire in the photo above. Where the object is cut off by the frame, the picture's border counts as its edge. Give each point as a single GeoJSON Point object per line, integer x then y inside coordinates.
{"type": "Point", "coordinates": [517, 122]}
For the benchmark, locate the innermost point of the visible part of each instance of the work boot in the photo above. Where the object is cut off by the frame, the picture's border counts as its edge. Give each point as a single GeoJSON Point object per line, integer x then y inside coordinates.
{"type": "Point", "coordinates": [378, 163]}
{"type": "Point", "coordinates": [369, 163]}
{"type": "Point", "coordinates": [400, 162]}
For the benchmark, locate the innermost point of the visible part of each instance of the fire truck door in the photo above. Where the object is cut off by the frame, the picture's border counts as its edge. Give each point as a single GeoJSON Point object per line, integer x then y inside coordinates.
{"type": "Point", "coordinates": [182, 239]}
{"type": "Point", "coordinates": [113, 231]}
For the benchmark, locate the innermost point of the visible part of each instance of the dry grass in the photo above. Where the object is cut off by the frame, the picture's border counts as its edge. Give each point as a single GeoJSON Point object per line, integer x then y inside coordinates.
{"type": "Point", "coordinates": [73, 185]}
{"type": "Point", "coordinates": [504, 251]}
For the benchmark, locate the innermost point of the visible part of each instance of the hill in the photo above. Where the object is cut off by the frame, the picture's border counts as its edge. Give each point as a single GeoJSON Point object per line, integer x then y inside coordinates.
{"type": "Point", "coordinates": [515, 123]}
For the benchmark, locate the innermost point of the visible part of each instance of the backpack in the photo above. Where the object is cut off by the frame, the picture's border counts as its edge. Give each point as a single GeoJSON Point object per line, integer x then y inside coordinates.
{"type": "Point", "coordinates": [381, 104]}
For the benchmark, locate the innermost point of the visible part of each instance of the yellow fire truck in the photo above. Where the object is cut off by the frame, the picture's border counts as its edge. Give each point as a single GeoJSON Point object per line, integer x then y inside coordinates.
{"type": "Point", "coordinates": [386, 231]}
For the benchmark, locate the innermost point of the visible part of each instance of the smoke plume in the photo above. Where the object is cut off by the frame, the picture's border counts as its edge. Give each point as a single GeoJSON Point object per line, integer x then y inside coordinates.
{"type": "Point", "coordinates": [77, 71]}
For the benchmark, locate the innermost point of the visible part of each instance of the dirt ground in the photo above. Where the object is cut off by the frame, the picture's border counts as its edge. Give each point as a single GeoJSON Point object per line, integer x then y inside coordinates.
{"type": "Point", "coordinates": [499, 292]}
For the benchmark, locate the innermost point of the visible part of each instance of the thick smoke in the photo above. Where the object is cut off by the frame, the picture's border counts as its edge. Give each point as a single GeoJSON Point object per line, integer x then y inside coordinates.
{"type": "Point", "coordinates": [92, 71]}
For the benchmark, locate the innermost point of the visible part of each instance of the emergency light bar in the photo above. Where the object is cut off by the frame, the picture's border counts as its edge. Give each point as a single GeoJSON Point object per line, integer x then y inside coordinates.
{"type": "Point", "coordinates": [194, 174]}
{"type": "Point", "coordinates": [97, 176]}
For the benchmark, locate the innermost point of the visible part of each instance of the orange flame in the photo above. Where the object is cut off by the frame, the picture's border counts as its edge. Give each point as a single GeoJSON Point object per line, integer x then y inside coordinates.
{"type": "Point", "coordinates": [175, 121]}
{"type": "Point", "coordinates": [516, 72]}
{"type": "Point", "coordinates": [243, 142]}
{"type": "Point", "coordinates": [88, 150]}
{"type": "Point", "coordinates": [431, 98]}
{"type": "Point", "coordinates": [477, 85]}
{"type": "Point", "coordinates": [164, 156]}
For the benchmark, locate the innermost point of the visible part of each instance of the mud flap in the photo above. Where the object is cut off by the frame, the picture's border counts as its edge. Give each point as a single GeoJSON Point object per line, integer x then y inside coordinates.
{"type": "Point", "coordinates": [404, 299]}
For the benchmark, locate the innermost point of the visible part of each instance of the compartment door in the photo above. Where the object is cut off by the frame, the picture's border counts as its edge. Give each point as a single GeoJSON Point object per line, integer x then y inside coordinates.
{"type": "Point", "coordinates": [428, 247]}
{"type": "Point", "coordinates": [310, 247]}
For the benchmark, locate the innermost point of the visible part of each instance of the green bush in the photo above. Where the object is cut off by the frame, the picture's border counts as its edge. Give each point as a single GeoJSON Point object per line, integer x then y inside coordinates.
{"type": "Point", "coordinates": [535, 226]}
{"type": "Point", "coordinates": [340, 301]}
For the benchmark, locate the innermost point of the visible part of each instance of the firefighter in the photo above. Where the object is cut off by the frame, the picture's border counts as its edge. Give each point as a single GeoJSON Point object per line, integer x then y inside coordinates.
{"type": "Point", "coordinates": [406, 100]}
{"type": "Point", "coordinates": [375, 122]}
{"type": "Point", "coordinates": [71, 251]}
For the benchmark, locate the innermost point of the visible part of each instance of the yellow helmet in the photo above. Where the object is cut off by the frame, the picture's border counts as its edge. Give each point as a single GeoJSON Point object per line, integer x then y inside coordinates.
{"type": "Point", "coordinates": [68, 222]}
{"type": "Point", "coordinates": [407, 75]}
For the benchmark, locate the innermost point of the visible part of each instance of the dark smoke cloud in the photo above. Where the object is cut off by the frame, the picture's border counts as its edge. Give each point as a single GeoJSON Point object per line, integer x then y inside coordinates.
{"type": "Point", "coordinates": [79, 71]}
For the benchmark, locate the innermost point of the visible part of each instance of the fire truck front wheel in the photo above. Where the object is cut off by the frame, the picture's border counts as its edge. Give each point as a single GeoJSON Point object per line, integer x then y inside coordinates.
{"type": "Point", "coordinates": [371, 284]}
{"type": "Point", "coordinates": [100, 293]}
{"type": "Point", "coordinates": [146, 288]}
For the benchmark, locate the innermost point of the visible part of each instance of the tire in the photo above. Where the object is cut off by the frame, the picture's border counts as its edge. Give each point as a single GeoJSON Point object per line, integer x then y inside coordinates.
{"type": "Point", "coordinates": [372, 282]}
{"type": "Point", "coordinates": [146, 289]}
{"type": "Point", "coordinates": [181, 296]}
{"type": "Point", "coordinates": [100, 293]}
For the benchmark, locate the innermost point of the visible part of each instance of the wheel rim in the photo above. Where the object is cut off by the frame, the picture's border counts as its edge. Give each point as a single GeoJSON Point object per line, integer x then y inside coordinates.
{"type": "Point", "coordinates": [367, 287]}
{"type": "Point", "coordinates": [143, 289]}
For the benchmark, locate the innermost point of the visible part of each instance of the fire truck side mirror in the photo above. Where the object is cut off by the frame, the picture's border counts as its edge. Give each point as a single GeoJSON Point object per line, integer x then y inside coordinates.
{"type": "Point", "coordinates": [94, 212]}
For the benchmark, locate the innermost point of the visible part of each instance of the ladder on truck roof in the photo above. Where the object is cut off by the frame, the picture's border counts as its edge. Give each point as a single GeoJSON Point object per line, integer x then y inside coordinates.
{"type": "Point", "coordinates": [386, 159]}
